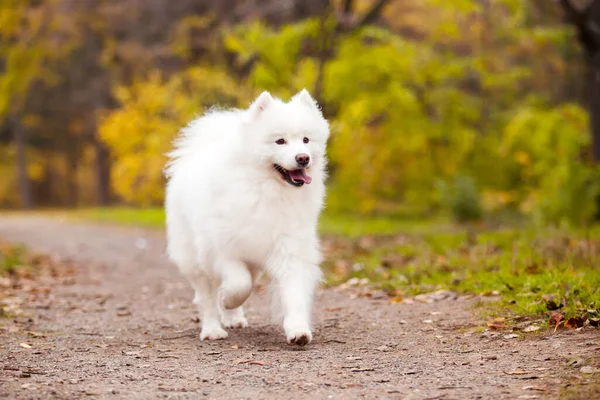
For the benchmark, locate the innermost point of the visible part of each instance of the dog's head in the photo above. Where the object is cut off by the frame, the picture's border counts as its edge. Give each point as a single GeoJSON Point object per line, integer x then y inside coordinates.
{"type": "Point", "coordinates": [288, 138]}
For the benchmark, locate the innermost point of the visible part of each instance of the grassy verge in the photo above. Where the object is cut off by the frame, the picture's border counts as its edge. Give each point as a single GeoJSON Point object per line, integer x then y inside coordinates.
{"type": "Point", "coordinates": [329, 224]}
{"type": "Point", "coordinates": [12, 263]}
{"type": "Point", "coordinates": [12, 258]}
{"type": "Point", "coordinates": [533, 271]}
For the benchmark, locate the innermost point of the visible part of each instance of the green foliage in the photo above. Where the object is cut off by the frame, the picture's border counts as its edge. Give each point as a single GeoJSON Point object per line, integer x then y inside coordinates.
{"type": "Point", "coordinates": [278, 66]}
{"type": "Point", "coordinates": [441, 90]}
{"type": "Point", "coordinates": [410, 112]}
{"type": "Point", "coordinates": [552, 174]}
{"type": "Point", "coordinates": [462, 198]}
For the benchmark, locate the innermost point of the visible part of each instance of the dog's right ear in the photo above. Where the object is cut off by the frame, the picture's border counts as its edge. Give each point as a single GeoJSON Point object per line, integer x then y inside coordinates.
{"type": "Point", "coordinates": [261, 103]}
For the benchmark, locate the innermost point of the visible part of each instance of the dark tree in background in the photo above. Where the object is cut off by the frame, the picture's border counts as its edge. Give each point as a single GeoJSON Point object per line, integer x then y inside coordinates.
{"type": "Point", "coordinates": [585, 16]}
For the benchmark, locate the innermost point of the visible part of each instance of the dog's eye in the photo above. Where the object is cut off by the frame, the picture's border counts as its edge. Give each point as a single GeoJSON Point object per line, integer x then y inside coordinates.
{"type": "Point", "coordinates": [305, 140]}
{"type": "Point", "coordinates": [280, 141]}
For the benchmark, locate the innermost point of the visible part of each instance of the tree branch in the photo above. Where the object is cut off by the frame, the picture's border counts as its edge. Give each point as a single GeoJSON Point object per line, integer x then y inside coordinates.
{"type": "Point", "coordinates": [574, 15]}
{"type": "Point", "coordinates": [348, 5]}
{"type": "Point", "coordinates": [373, 14]}
{"type": "Point", "coordinates": [588, 36]}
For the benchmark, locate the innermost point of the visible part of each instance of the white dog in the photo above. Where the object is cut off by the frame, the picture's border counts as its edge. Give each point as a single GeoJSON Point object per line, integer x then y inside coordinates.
{"type": "Point", "coordinates": [244, 194]}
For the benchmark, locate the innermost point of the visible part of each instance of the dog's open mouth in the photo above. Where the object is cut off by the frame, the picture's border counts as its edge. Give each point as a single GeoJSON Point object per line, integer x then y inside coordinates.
{"type": "Point", "coordinates": [295, 177]}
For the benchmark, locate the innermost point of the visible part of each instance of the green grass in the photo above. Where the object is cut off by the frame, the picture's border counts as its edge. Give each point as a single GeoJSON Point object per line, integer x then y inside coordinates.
{"type": "Point", "coordinates": [146, 217]}
{"type": "Point", "coordinates": [529, 268]}
{"type": "Point", "coordinates": [330, 224]}
{"type": "Point", "coordinates": [11, 258]}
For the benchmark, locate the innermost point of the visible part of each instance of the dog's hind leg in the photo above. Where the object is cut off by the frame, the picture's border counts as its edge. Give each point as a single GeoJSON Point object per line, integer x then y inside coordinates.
{"type": "Point", "coordinates": [207, 301]}
{"type": "Point", "coordinates": [236, 284]}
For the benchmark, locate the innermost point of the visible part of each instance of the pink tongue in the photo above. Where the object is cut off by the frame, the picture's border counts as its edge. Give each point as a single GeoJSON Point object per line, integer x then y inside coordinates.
{"type": "Point", "coordinates": [300, 175]}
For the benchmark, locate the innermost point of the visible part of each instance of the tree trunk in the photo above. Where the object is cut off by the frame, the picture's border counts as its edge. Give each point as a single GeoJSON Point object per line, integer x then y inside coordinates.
{"type": "Point", "coordinates": [22, 175]}
{"type": "Point", "coordinates": [594, 104]}
{"type": "Point", "coordinates": [102, 172]}
{"type": "Point", "coordinates": [72, 153]}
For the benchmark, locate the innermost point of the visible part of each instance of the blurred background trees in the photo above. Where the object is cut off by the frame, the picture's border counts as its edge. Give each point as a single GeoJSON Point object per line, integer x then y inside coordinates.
{"type": "Point", "coordinates": [475, 107]}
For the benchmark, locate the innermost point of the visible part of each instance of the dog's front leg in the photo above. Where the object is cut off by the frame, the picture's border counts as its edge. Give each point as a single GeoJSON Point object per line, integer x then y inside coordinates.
{"type": "Point", "coordinates": [296, 283]}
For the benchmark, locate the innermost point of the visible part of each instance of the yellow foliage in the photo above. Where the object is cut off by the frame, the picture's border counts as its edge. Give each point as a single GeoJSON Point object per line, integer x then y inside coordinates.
{"type": "Point", "coordinates": [153, 110]}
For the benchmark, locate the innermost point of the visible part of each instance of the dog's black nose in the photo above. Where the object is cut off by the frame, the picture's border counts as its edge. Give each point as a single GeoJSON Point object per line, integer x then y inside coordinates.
{"type": "Point", "coordinates": [303, 159]}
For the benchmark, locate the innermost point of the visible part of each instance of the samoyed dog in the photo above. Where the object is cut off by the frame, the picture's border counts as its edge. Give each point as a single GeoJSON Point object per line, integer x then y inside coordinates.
{"type": "Point", "coordinates": [245, 189]}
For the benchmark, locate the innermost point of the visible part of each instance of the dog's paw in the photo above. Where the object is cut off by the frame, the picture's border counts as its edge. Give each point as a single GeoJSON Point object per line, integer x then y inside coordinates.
{"type": "Point", "coordinates": [235, 322]}
{"type": "Point", "coordinates": [299, 336]}
{"type": "Point", "coordinates": [213, 333]}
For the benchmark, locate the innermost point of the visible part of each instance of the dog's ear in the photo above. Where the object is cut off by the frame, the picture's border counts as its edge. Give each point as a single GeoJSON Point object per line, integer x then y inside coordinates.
{"type": "Point", "coordinates": [261, 103]}
{"type": "Point", "coordinates": [305, 98]}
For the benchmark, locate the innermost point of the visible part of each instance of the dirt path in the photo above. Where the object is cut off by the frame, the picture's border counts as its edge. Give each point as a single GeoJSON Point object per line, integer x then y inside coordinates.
{"type": "Point", "coordinates": [125, 329]}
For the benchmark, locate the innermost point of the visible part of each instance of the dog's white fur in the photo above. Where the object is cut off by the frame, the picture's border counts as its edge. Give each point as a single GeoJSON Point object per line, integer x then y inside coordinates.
{"type": "Point", "coordinates": [231, 216]}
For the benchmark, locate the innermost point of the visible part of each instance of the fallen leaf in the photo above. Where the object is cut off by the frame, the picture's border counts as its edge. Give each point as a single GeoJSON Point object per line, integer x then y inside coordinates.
{"type": "Point", "coordinates": [25, 345]}
{"type": "Point", "coordinates": [433, 297]}
{"type": "Point", "coordinates": [250, 362]}
{"type": "Point", "coordinates": [131, 353]}
{"type": "Point", "coordinates": [397, 299]}
{"type": "Point", "coordinates": [34, 372]}
{"type": "Point", "coordinates": [82, 350]}
{"type": "Point", "coordinates": [556, 319]}
{"type": "Point", "coordinates": [574, 322]}
{"type": "Point", "coordinates": [575, 362]}
{"type": "Point", "coordinates": [354, 385]}
{"type": "Point", "coordinates": [496, 327]}
{"type": "Point", "coordinates": [454, 387]}
{"type": "Point", "coordinates": [588, 370]}
{"type": "Point", "coordinates": [536, 388]}
{"type": "Point", "coordinates": [531, 328]}
{"type": "Point", "coordinates": [490, 293]}
{"type": "Point", "coordinates": [124, 313]}
{"type": "Point", "coordinates": [517, 372]}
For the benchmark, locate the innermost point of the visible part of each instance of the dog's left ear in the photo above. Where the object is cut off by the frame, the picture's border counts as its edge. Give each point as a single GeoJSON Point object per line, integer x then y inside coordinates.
{"type": "Point", "coordinates": [261, 103]}
{"type": "Point", "coordinates": [305, 98]}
